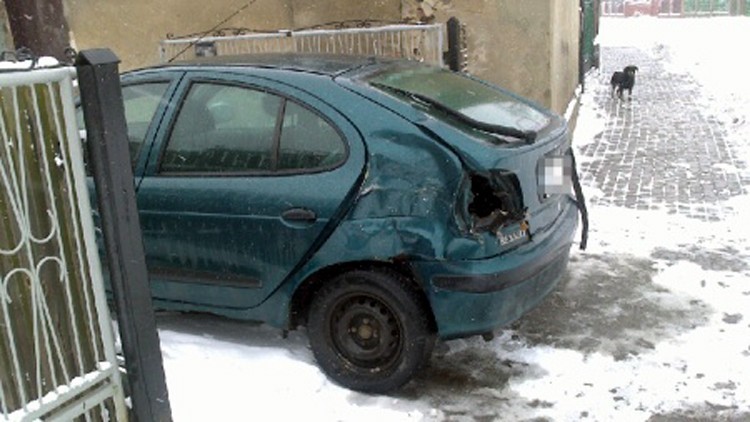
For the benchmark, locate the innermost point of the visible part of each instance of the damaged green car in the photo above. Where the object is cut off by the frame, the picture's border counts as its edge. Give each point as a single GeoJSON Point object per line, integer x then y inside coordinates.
{"type": "Point", "coordinates": [380, 203]}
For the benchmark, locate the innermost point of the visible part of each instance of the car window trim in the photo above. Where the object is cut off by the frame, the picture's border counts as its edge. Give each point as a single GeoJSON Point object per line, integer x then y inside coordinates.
{"type": "Point", "coordinates": [276, 148]}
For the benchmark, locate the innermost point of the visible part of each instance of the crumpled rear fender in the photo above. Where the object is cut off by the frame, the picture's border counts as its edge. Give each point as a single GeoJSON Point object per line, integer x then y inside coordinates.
{"type": "Point", "coordinates": [406, 205]}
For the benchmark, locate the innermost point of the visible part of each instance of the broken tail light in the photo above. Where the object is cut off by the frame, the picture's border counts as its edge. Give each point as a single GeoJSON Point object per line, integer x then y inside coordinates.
{"type": "Point", "coordinates": [496, 201]}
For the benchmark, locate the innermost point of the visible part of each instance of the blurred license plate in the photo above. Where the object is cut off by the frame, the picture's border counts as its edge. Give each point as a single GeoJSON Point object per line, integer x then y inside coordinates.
{"type": "Point", "coordinates": [555, 175]}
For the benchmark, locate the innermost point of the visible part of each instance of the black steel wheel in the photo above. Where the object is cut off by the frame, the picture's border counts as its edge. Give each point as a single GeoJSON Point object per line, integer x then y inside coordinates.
{"type": "Point", "coordinates": [370, 331]}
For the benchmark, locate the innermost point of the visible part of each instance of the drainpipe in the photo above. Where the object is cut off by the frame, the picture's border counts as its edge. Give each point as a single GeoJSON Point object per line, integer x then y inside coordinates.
{"type": "Point", "coordinates": [581, 33]}
{"type": "Point", "coordinates": [453, 58]}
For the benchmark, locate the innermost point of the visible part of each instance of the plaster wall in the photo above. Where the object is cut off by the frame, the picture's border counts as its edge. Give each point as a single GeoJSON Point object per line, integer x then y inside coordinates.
{"type": "Point", "coordinates": [314, 12]}
{"type": "Point", "coordinates": [133, 28]}
{"type": "Point", "coordinates": [528, 46]}
{"type": "Point", "coordinates": [564, 53]}
{"type": "Point", "coordinates": [508, 42]}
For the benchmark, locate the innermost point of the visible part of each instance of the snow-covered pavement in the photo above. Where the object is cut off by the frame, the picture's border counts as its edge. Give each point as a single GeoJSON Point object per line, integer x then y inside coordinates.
{"type": "Point", "coordinates": [653, 320]}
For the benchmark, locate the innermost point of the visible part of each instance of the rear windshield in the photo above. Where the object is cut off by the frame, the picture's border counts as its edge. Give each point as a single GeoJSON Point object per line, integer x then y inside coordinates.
{"type": "Point", "coordinates": [464, 95]}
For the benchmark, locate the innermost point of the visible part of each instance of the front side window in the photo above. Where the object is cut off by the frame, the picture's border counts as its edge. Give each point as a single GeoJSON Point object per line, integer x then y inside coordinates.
{"type": "Point", "coordinates": [140, 102]}
{"type": "Point", "coordinates": [228, 129]}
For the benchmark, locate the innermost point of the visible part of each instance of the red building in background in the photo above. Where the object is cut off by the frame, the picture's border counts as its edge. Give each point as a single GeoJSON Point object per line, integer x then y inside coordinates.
{"type": "Point", "coordinates": [641, 7]}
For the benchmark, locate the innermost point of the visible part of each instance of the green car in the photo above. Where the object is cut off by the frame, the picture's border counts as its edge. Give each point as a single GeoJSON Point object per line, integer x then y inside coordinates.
{"type": "Point", "coordinates": [380, 203]}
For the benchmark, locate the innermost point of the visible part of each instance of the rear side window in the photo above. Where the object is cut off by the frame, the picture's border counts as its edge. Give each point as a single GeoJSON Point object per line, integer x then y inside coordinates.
{"type": "Point", "coordinates": [307, 141]}
{"type": "Point", "coordinates": [228, 129]}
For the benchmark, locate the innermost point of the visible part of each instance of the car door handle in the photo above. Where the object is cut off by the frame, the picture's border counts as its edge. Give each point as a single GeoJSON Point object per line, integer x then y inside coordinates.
{"type": "Point", "coordinates": [299, 215]}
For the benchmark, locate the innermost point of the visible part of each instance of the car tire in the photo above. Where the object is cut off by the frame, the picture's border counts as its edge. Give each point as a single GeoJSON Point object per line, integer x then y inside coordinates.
{"type": "Point", "coordinates": [370, 331]}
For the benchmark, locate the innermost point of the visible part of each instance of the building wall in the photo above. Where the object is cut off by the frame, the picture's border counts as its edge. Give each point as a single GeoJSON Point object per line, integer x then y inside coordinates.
{"type": "Point", "coordinates": [508, 42]}
{"type": "Point", "coordinates": [530, 47]}
{"type": "Point", "coordinates": [564, 53]}
{"type": "Point", "coordinates": [133, 28]}
{"type": "Point", "coordinates": [527, 46]}
{"type": "Point", "coordinates": [314, 12]}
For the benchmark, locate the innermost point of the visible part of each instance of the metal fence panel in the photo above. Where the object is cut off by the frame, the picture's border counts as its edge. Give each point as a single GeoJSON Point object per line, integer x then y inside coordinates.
{"type": "Point", "coordinates": [705, 7]}
{"type": "Point", "coordinates": [589, 32]}
{"type": "Point", "coordinates": [419, 42]}
{"type": "Point", "coordinates": [671, 7]}
{"type": "Point", "coordinates": [56, 340]}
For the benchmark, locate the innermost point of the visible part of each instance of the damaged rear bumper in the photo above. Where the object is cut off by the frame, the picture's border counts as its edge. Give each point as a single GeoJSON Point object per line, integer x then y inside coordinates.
{"type": "Point", "coordinates": [479, 296]}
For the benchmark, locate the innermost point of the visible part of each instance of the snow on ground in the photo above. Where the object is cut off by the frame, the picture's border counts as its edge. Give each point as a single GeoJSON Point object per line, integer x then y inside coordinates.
{"type": "Point", "coordinates": [219, 370]}
{"type": "Point", "coordinates": [710, 49]}
{"type": "Point", "coordinates": [652, 323]}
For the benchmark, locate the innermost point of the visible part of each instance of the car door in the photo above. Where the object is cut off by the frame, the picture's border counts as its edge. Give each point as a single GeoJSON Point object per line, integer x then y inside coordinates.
{"type": "Point", "coordinates": [145, 98]}
{"type": "Point", "coordinates": [250, 174]}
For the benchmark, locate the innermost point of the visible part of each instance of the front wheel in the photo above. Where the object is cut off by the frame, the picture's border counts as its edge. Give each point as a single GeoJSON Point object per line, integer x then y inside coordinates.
{"type": "Point", "coordinates": [370, 330]}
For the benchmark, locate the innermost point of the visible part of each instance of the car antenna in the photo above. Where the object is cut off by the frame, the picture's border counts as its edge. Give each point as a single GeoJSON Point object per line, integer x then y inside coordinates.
{"type": "Point", "coordinates": [203, 35]}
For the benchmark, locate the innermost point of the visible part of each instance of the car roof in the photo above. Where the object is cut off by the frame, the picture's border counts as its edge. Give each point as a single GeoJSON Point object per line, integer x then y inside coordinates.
{"type": "Point", "coordinates": [326, 64]}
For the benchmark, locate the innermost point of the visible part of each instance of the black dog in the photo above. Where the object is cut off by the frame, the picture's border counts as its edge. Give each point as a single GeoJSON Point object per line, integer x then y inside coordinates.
{"type": "Point", "coordinates": [623, 80]}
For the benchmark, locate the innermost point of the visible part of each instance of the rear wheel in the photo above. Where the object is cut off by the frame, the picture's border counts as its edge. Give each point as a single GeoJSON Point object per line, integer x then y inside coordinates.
{"type": "Point", "coordinates": [370, 331]}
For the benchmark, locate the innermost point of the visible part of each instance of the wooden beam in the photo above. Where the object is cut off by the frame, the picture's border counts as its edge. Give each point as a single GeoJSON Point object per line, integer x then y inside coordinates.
{"type": "Point", "coordinates": [39, 25]}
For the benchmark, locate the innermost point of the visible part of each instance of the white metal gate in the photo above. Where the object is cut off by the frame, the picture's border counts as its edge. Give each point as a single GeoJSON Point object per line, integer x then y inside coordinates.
{"type": "Point", "coordinates": [419, 42]}
{"type": "Point", "coordinates": [57, 357]}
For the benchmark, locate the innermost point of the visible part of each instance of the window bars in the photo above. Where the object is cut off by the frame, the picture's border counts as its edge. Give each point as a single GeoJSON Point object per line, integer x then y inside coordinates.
{"type": "Point", "coordinates": [417, 42]}
{"type": "Point", "coordinates": [57, 357]}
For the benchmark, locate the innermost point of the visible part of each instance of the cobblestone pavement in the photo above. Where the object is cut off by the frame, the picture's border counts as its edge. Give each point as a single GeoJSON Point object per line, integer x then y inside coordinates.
{"type": "Point", "coordinates": [663, 149]}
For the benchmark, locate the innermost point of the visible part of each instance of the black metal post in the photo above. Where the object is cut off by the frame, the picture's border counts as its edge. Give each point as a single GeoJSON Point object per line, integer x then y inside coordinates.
{"type": "Point", "coordinates": [454, 44]}
{"type": "Point", "coordinates": [104, 115]}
